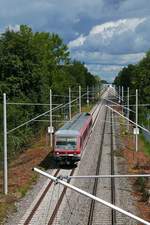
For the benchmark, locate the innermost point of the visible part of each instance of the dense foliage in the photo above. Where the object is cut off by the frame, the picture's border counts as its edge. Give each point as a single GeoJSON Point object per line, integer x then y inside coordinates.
{"type": "Point", "coordinates": [137, 77]}
{"type": "Point", "coordinates": [30, 64]}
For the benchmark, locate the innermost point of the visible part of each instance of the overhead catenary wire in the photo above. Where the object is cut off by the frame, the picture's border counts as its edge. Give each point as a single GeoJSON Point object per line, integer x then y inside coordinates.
{"type": "Point", "coordinates": [29, 121]}
{"type": "Point", "coordinates": [30, 104]}
{"type": "Point", "coordinates": [55, 179]}
{"type": "Point", "coordinates": [118, 104]}
{"type": "Point", "coordinates": [103, 176]}
{"type": "Point", "coordinates": [6, 132]}
{"type": "Point", "coordinates": [128, 119]}
{"type": "Point", "coordinates": [142, 105]}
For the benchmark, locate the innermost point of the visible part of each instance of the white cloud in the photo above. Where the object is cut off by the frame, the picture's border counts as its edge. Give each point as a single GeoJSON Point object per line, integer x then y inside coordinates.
{"type": "Point", "coordinates": [110, 46]}
{"type": "Point", "coordinates": [107, 36]}
{"type": "Point", "coordinates": [107, 29]}
{"type": "Point", "coordinates": [99, 69]}
{"type": "Point", "coordinates": [14, 28]}
{"type": "Point", "coordinates": [108, 73]}
{"type": "Point", "coordinates": [77, 42]}
{"type": "Point", "coordinates": [107, 59]}
{"type": "Point", "coordinates": [106, 65]}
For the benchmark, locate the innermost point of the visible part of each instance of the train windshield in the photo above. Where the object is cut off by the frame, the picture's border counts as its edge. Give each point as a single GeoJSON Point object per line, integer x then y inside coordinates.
{"type": "Point", "coordinates": [67, 143]}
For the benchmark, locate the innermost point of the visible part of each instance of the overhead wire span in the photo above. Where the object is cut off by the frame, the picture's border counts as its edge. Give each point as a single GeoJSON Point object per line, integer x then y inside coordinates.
{"type": "Point", "coordinates": [104, 176]}
{"type": "Point", "coordinates": [128, 119]}
{"type": "Point", "coordinates": [29, 121]}
{"type": "Point", "coordinates": [33, 119]}
{"type": "Point", "coordinates": [118, 104]}
{"type": "Point", "coordinates": [78, 190]}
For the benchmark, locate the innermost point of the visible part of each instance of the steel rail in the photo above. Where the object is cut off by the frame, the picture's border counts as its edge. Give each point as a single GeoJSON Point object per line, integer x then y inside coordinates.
{"type": "Point", "coordinates": [95, 119]}
{"type": "Point", "coordinates": [113, 197]}
{"type": "Point", "coordinates": [58, 204]}
{"type": "Point", "coordinates": [92, 206]}
{"type": "Point", "coordinates": [36, 206]}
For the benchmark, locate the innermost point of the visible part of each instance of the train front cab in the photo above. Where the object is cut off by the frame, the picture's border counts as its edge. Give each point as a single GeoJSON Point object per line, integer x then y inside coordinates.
{"type": "Point", "coordinates": [67, 149]}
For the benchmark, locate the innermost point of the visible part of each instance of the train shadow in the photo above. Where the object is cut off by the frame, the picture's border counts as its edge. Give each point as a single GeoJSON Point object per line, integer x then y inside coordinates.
{"type": "Point", "coordinates": [49, 162]}
{"type": "Point", "coordinates": [68, 167]}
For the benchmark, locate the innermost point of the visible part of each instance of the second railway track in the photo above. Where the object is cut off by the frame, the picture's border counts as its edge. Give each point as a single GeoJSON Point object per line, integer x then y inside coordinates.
{"type": "Point", "coordinates": [104, 188]}
{"type": "Point", "coordinates": [92, 206]}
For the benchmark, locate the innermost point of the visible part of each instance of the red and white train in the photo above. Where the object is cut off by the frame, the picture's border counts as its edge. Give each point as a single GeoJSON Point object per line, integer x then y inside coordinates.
{"type": "Point", "coordinates": [71, 138]}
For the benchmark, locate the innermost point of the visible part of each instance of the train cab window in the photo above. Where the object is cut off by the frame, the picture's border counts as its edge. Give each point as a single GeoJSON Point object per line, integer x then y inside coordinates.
{"type": "Point", "coordinates": [67, 143]}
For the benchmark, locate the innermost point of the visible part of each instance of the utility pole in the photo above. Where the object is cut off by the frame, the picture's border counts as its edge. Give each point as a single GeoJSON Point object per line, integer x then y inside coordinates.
{"type": "Point", "coordinates": [5, 145]}
{"type": "Point", "coordinates": [122, 98]}
{"type": "Point", "coordinates": [87, 100]}
{"type": "Point", "coordinates": [80, 99]}
{"type": "Point", "coordinates": [122, 95]}
{"type": "Point", "coordinates": [69, 103]}
{"type": "Point", "coordinates": [119, 94]}
{"type": "Point", "coordinates": [51, 122]}
{"type": "Point", "coordinates": [99, 90]}
{"type": "Point", "coordinates": [128, 105]}
{"type": "Point", "coordinates": [93, 93]}
{"type": "Point", "coordinates": [137, 129]}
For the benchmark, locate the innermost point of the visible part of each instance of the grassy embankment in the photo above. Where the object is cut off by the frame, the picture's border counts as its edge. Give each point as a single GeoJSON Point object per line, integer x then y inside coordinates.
{"type": "Point", "coordinates": [146, 145]}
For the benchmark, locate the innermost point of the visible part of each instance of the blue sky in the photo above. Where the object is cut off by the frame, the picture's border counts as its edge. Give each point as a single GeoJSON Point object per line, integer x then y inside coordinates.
{"type": "Point", "coordinates": [105, 34]}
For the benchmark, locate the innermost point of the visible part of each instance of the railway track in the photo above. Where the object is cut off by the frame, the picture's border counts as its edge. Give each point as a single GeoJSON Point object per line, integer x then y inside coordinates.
{"type": "Point", "coordinates": [123, 187]}
{"type": "Point", "coordinates": [30, 216]}
{"type": "Point", "coordinates": [113, 200]}
{"type": "Point", "coordinates": [94, 213]}
{"type": "Point", "coordinates": [103, 188]}
{"type": "Point", "coordinates": [51, 207]}
{"type": "Point", "coordinates": [53, 216]}
{"type": "Point", "coordinates": [92, 206]}
{"type": "Point", "coordinates": [111, 190]}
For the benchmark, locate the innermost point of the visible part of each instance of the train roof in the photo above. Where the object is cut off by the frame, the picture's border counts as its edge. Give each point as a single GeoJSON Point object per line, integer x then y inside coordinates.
{"type": "Point", "coordinates": [64, 133]}
{"type": "Point", "coordinates": [73, 126]}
